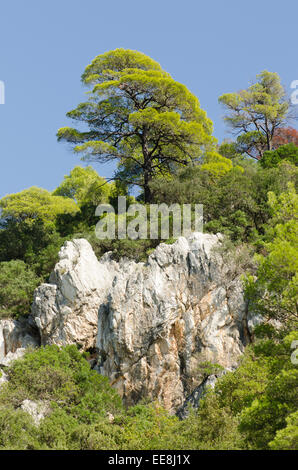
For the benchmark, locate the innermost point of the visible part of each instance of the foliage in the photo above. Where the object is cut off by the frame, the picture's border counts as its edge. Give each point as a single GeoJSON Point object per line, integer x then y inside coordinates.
{"type": "Point", "coordinates": [285, 135]}
{"type": "Point", "coordinates": [35, 203]}
{"type": "Point", "coordinates": [236, 204]}
{"type": "Point", "coordinates": [262, 392]}
{"type": "Point", "coordinates": [211, 427]}
{"type": "Point", "coordinates": [274, 293]}
{"type": "Point", "coordinates": [28, 228]}
{"type": "Point", "coordinates": [287, 438]}
{"type": "Point", "coordinates": [148, 427]}
{"type": "Point", "coordinates": [252, 407]}
{"type": "Point", "coordinates": [17, 431]}
{"type": "Point", "coordinates": [17, 283]}
{"type": "Point", "coordinates": [207, 368]}
{"type": "Point", "coordinates": [216, 164]}
{"type": "Point", "coordinates": [230, 150]}
{"type": "Point", "coordinates": [140, 117]}
{"type": "Point", "coordinates": [162, 140]}
{"type": "Point", "coordinates": [62, 375]}
{"type": "Point", "coordinates": [287, 152]}
{"type": "Point", "coordinates": [257, 112]}
{"type": "Point", "coordinates": [132, 249]}
{"type": "Point", "coordinates": [85, 186]}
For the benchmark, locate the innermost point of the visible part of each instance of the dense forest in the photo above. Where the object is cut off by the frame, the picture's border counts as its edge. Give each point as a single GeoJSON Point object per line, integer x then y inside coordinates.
{"type": "Point", "coordinates": [161, 141]}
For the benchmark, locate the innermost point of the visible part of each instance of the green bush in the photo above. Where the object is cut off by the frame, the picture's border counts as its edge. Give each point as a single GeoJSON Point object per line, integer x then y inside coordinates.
{"type": "Point", "coordinates": [17, 284]}
{"type": "Point", "coordinates": [17, 430]}
{"type": "Point", "coordinates": [272, 158]}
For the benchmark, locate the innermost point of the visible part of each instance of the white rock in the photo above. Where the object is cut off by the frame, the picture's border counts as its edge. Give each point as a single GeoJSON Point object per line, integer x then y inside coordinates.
{"type": "Point", "coordinates": [15, 334]}
{"type": "Point", "coordinates": [37, 410]}
{"type": "Point", "coordinates": [3, 377]}
{"type": "Point", "coordinates": [66, 311]}
{"type": "Point", "coordinates": [12, 356]}
{"type": "Point", "coordinates": [151, 322]}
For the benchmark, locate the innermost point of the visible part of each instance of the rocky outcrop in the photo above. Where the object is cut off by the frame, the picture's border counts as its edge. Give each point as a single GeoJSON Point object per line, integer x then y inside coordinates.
{"type": "Point", "coordinates": [12, 356]}
{"type": "Point", "coordinates": [152, 323]}
{"type": "Point", "coordinates": [66, 310]}
{"type": "Point", "coordinates": [16, 334]}
{"type": "Point", "coordinates": [162, 318]}
{"type": "Point", "coordinates": [37, 410]}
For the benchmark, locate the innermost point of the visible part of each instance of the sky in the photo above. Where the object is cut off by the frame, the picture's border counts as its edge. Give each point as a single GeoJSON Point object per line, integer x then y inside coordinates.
{"type": "Point", "coordinates": [212, 47]}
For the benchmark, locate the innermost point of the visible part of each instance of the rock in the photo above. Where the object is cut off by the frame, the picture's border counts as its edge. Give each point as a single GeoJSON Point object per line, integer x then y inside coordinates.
{"type": "Point", "coordinates": [110, 417]}
{"type": "Point", "coordinates": [37, 410]}
{"type": "Point", "coordinates": [12, 356]}
{"type": "Point", "coordinates": [3, 377]}
{"type": "Point", "coordinates": [15, 334]}
{"type": "Point", "coordinates": [194, 398]}
{"type": "Point", "coordinates": [153, 322]}
{"type": "Point", "coordinates": [164, 317]}
{"type": "Point", "coordinates": [254, 320]}
{"type": "Point", "coordinates": [66, 310]}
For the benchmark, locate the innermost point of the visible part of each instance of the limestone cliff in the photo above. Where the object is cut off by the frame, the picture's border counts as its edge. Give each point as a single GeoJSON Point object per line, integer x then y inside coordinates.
{"type": "Point", "coordinates": [151, 323]}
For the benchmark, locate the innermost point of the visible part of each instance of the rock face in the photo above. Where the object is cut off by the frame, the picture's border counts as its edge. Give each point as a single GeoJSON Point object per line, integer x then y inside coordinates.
{"type": "Point", "coordinates": [16, 334]}
{"type": "Point", "coordinates": [66, 310]}
{"type": "Point", "coordinates": [152, 323]}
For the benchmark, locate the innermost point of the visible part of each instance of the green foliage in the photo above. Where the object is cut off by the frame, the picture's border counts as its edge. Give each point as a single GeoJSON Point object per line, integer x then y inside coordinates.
{"type": "Point", "coordinates": [140, 117]}
{"type": "Point", "coordinates": [85, 186]}
{"type": "Point", "coordinates": [253, 407]}
{"type": "Point", "coordinates": [23, 240]}
{"type": "Point", "coordinates": [263, 391]}
{"type": "Point", "coordinates": [209, 368]}
{"type": "Point", "coordinates": [215, 164]}
{"type": "Point", "coordinates": [287, 438]}
{"type": "Point", "coordinates": [257, 112]}
{"type": "Point", "coordinates": [133, 249]}
{"type": "Point", "coordinates": [17, 284]}
{"type": "Point", "coordinates": [32, 241]}
{"type": "Point", "coordinates": [229, 150]}
{"type": "Point", "coordinates": [62, 375]}
{"type": "Point", "coordinates": [88, 190]}
{"type": "Point", "coordinates": [78, 398]}
{"type": "Point", "coordinates": [28, 228]}
{"type": "Point", "coordinates": [235, 203]}
{"type": "Point", "coordinates": [35, 203]}
{"type": "Point", "coordinates": [274, 293]}
{"type": "Point", "coordinates": [150, 427]}
{"type": "Point", "coordinates": [288, 152]}
{"type": "Point", "coordinates": [17, 431]}
{"type": "Point", "coordinates": [211, 427]}
{"type": "Point", "coordinates": [162, 140]}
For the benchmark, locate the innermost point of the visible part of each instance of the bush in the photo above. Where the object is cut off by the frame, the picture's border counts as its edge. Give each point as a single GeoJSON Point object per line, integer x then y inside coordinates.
{"type": "Point", "coordinates": [17, 284]}
{"type": "Point", "coordinates": [17, 431]}
{"type": "Point", "coordinates": [272, 158]}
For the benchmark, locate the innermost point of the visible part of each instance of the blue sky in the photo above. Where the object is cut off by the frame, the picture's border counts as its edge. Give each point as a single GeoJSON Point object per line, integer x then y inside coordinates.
{"type": "Point", "coordinates": [213, 47]}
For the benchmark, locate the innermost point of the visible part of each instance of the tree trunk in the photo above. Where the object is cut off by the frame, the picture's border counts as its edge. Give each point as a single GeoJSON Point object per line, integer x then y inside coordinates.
{"type": "Point", "coordinates": [147, 191]}
{"type": "Point", "coordinates": [269, 141]}
{"type": "Point", "coordinates": [147, 168]}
